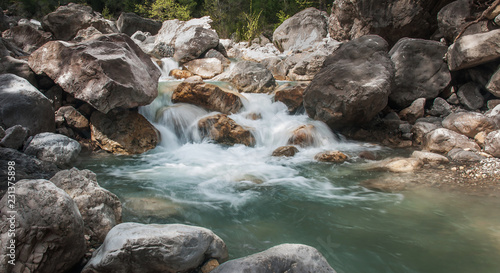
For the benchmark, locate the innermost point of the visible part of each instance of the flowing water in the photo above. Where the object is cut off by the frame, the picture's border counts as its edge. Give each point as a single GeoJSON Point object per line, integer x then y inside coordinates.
{"type": "Point", "coordinates": [254, 201]}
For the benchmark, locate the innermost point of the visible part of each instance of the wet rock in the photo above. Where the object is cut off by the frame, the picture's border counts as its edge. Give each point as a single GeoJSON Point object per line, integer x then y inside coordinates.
{"type": "Point", "coordinates": [287, 151]}
{"type": "Point", "coordinates": [367, 155]}
{"type": "Point", "coordinates": [470, 96]}
{"type": "Point", "coordinates": [396, 165]}
{"type": "Point", "coordinates": [58, 149]}
{"type": "Point", "coordinates": [180, 74]}
{"type": "Point", "coordinates": [249, 77]}
{"type": "Point", "coordinates": [354, 85]}
{"type": "Point", "coordinates": [129, 23]}
{"type": "Point", "coordinates": [73, 118]}
{"type": "Point", "coordinates": [206, 68]}
{"type": "Point", "coordinates": [303, 136]}
{"type": "Point", "coordinates": [208, 96]}
{"type": "Point", "coordinates": [123, 132]}
{"type": "Point", "coordinates": [443, 140]}
{"type": "Point", "coordinates": [107, 71]}
{"type": "Point", "coordinates": [27, 37]}
{"type": "Point", "coordinates": [473, 50]}
{"type": "Point", "coordinates": [222, 129]}
{"type": "Point", "coordinates": [413, 112]}
{"type": "Point", "coordinates": [282, 258]}
{"type": "Point", "coordinates": [291, 95]}
{"type": "Point", "coordinates": [331, 156]}
{"type": "Point", "coordinates": [67, 20]}
{"type": "Point", "coordinates": [454, 17]}
{"type": "Point", "coordinates": [492, 144]}
{"type": "Point", "coordinates": [22, 104]}
{"type": "Point", "coordinates": [493, 85]}
{"type": "Point", "coordinates": [420, 129]}
{"type": "Point", "coordinates": [14, 137]}
{"type": "Point", "coordinates": [430, 158]}
{"type": "Point", "coordinates": [420, 71]}
{"type": "Point", "coordinates": [100, 209]}
{"type": "Point", "coordinates": [133, 247]}
{"type": "Point", "coordinates": [461, 155]}
{"type": "Point", "coordinates": [301, 31]}
{"type": "Point", "coordinates": [49, 229]}
{"type": "Point", "coordinates": [440, 108]}
{"type": "Point", "coordinates": [469, 123]}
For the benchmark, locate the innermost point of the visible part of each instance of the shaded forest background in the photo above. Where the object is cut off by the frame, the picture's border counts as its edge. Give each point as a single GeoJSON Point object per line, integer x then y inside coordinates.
{"type": "Point", "coordinates": [238, 19]}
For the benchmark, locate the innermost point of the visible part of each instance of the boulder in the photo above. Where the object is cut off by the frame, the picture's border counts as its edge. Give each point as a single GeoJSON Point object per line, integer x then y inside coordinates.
{"type": "Point", "coordinates": [470, 96]}
{"type": "Point", "coordinates": [14, 137]}
{"type": "Point", "coordinates": [304, 66]}
{"type": "Point", "coordinates": [278, 67]}
{"type": "Point", "coordinates": [461, 155]}
{"type": "Point", "coordinates": [249, 77]}
{"type": "Point", "coordinates": [303, 136]}
{"type": "Point", "coordinates": [492, 143]}
{"type": "Point", "coordinates": [67, 20]}
{"type": "Point", "coordinates": [129, 23]}
{"type": "Point", "coordinates": [101, 210]}
{"type": "Point", "coordinates": [430, 158]}
{"type": "Point", "coordinates": [285, 151]}
{"type": "Point", "coordinates": [212, 53]}
{"type": "Point", "coordinates": [206, 68]}
{"type": "Point", "coordinates": [133, 247]}
{"type": "Point", "coordinates": [420, 71]}
{"type": "Point", "coordinates": [469, 123]}
{"type": "Point", "coordinates": [443, 140]}
{"type": "Point", "coordinates": [48, 229]}
{"type": "Point", "coordinates": [107, 71]}
{"type": "Point", "coordinates": [27, 167]}
{"type": "Point", "coordinates": [493, 85]}
{"type": "Point", "coordinates": [291, 258]}
{"type": "Point", "coordinates": [291, 95]}
{"type": "Point", "coordinates": [222, 129]}
{"type": "Point", "coordinates": [473, 50]}
{"type": "Point", "coordinates": [440, 108]}
{"type": "Point", "coordinates": [58, 149]}
{"type": "Point", "coordinates": [123, 132]}
{"type": "Point", "coordinates": [354, 85]}
{"type": "Point", "coordinates": [331, 156]}
{"type": "Point", "coordinates": [413, 112]}
{"type": "Point", "coordinates": [73, 119]}
{"type": "Point", "coordinates": [301, 31]}
{"type": "Point", "coordinates": [453, 17]}
{"type": "Point", "coordinates": [85, 34]}
{"type": "Point", "coordinates": [420, 129]}
{"type": "Point", "coordinates": [27, 37]}
{"type": "Point", "coordinates": [185, 40]}
{"type": "Point", "coordinates": [22, 104]}
{"type": "Point", "coordinates": [208, 96]}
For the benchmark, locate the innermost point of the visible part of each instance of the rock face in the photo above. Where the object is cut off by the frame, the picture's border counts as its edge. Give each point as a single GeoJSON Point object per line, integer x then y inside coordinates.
{"type": "Point", "coordinates": [443, 140]}
{"type": "Point", "coordinates": [208, 96]}
{"type": "Point", "coordinates": [249, 77]}
{"type": "Point", "coordinates": [301, 31]}
{"type": "Point", "coordinates": [420, 71]}
{"type": "Point", "coordinates": [185, 41]}
{"type": "Point", "coordinates": [129, 23]}
{"type": "Point", "coordinates": [224, 130]}
{"type": "Point", "coordinates": [469, 123]}
{"type": "Point", "coordinates": [287, 151]}
{"type": "Point", "coordinates": [123, 132]}
{"type": "Point", "coordinates": [101, 210]}
{"type": "Point", "coordinates": [132, 247]}
{"type": "Point", "coordinates": [107, 71]}
{"type": "Point", "coordinates": [291, 95]}
{"type": "Point", "coordinates": [22, 104]}
{"type": "Point", "coordinates": [292, 258]}
{"type": "Point", "coordinates": [492, 143]}
{"type": "Point", "coordinates": [331, 156]}
{"type": "Point", "coordinates": [354, 85]}
{"type": "Point", "coordinates": [27, 37]}
{"type": "Point", "coordinates": [49, 229]}
{"type": "Point", "coordinates": [206, 68]}
{"type": "Point", "coordinates": [473, 50]}
{"type": "Point", "coordinates": [67, 20]}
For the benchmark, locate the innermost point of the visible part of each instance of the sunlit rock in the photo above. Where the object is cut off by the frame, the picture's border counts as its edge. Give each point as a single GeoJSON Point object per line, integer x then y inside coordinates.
{"type": "Point", "coordinates": [249, 77]}
{"type": "Point", "coordinates": [469, 123]}
{"type": "Point", "coordinates": [473, 50]}
{"type": "Point", "coordinates": [331, 156]}
{"type": "Point", "coordinates": [206, 68]}
{"type": "Point", "coordinates": [443, 140]}
{"type": "Point", "coordinates": [222, 129]}
{"type": "Point", "coordinates": [58, 149]}
{"type": "Point", "coordinates": [180, 74]}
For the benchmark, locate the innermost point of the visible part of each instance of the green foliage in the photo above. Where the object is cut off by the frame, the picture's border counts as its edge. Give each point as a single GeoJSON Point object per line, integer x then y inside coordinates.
{"type": "Point", "coordinates": [164, 10]}
{"type": "Point", "coordinates": [106, 13]}
{"type": "Point", "coordinates": [282, 16]}
{"type": "Point", "coordinates": [251, 29]}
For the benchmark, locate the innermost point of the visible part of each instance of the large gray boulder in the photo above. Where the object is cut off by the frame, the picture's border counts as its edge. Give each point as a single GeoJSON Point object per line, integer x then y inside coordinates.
{"type": "Point", "coordinates": [249, 77]}
{"type": "Point", "coordinates": [453, 17]}
{"type": "Point", "coordinates": [443, 140]}
{"type": "Point", "coordinates": [101, 210]}
{"type": "Point", "coordinates": [58, 149]}
{"type": "Point", "coordinates": [492, 143]}
{"type": "Point", "coordinates": [107, 71]}
{"type": "Point", "coordinates": [469, 123]}
{"type": "Point", "coordinates": [27, 37]}
{"type": "Point", "coordinates": [301, 31]}
{"type": "Point", "coordinates": [185, 40]}
{"type": "Point", "coordinates": [290, 258]}
{"type": "Point", "coordinates": [22, 104]}
{"type": "Point", "coordinates": [66, 21]}
{"type": "Point", "coordinates": [354, 85]}
{"type": "Point", "coordinates": [48, 229]}
{"type": "Point", "coordinates": [133, 247]}
{"type": "Point", "coordinates": [473, 50]}
{"type": "Point", "coordinates": [420, 71]}
{"type": "Point", "coordinates": [129, 23]}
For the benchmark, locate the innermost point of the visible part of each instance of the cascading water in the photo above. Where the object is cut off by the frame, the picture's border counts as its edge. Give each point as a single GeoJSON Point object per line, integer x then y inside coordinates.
{"type": "Point", "coordinates": [254, 201]}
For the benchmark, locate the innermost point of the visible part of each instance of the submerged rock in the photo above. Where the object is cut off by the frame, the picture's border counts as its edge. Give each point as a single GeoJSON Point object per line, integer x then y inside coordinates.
{"type": "Point", "coordinates": [133, 247]}
{"type": "Point", "coordinates": [58, 149]}
{"type": "Point", "coordinates": [331, 156]}
{"type": "Point", "coordinates": [287, 151]}
{"type": "Point", "coordinates": [292, 258]}
{"type": "Point", "coordinates": [49, 229]}
{"type": "Point", "coordinates": [224, 130]}
{"type": "Point", "coordinates": [249, 77]}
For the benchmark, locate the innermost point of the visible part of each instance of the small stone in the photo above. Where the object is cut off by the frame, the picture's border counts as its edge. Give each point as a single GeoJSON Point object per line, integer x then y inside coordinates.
{"type": "Point", "coordinates": [331, 156]}
{"type": "Point", "coordinates": [287, 151]}
{"type": "Point", "coordinates": [209, 266]}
